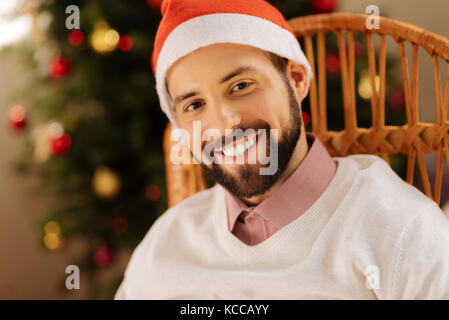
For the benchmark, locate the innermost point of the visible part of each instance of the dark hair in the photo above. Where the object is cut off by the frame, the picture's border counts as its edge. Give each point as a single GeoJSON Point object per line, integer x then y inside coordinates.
{"type": "Point", "coordinates": [279, 62]}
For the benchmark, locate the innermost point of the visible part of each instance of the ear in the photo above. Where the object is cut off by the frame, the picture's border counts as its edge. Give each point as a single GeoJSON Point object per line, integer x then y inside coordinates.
{"type": "Point", "coordinates": [298, 77]}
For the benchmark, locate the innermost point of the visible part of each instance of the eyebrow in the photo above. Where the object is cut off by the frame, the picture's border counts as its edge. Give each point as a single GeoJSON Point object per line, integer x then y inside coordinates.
{"type": "Point", "coordinates": [231, 75]}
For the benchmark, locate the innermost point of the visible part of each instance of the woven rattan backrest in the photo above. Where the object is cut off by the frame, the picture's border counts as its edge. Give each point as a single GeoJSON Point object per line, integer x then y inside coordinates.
{"type": "Point", "coordinates": [413, 139]}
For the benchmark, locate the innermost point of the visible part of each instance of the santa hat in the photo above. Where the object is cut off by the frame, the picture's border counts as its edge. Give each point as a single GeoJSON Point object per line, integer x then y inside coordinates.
{"type": "Point", "coordinates": [187, 25]}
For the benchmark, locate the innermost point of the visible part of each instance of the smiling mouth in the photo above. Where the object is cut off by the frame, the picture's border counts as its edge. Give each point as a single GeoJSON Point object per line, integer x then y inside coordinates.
{"type": "Point", "coordinates": [238, 148]}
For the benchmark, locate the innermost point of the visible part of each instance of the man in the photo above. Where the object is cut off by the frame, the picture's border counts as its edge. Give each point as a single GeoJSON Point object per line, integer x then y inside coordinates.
{"type": "Point", "coordinates": [317, 227]}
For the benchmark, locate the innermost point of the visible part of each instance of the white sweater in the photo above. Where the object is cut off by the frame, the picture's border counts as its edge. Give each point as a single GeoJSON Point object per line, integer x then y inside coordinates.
{"type": "Point", "coordinates": [370, 235]}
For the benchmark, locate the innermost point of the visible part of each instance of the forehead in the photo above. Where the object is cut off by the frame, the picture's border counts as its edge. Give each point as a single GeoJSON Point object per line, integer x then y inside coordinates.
{"type": "Point", "coordinates": [213, 61]}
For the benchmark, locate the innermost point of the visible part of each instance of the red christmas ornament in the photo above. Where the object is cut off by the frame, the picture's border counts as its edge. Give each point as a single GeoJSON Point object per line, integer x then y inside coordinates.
{"type": "Point", "coordinates": [59, 67]}
{"type": "Point", "coordinates": [332, 63]}
{"type": "Point", "coordinates": [17, 118]}
{"type": "Point", "coordinates": [75, 38]}
{"type": "Point", "coordinates": [103, 256]}
{"type": "Point", "coordinates": [154, 4]}
{"type": "Point", "coordinates": [397, 100]}
{"type": "Point", "coordinates": [305, 117]}
{"type": "Point", "coordinates": [61, 144]}
{"type": "Point", "coordinates": [324, 6]}
{"type": "Point", "coordinates": [125, 43]}
{"type": "Point", "coordinates": [119, 225]}
{"type": "Point", "coordinates": [153, 193]}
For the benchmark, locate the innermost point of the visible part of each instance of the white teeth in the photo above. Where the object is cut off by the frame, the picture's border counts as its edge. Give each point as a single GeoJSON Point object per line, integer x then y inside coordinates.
{"type": "Point", "coordinates": [239, 149]}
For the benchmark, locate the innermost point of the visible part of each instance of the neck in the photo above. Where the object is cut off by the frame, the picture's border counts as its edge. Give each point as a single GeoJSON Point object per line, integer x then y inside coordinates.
{"type": "Point", "coordinates": [299, 153]}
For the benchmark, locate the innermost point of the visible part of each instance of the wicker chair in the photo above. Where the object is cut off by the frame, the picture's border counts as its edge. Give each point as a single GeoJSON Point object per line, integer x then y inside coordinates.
{"type": "Point", "coordinates": [413, 139]}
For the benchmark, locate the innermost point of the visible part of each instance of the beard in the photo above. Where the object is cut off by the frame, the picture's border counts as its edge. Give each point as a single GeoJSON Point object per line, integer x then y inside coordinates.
{"type": "Point", "coordinates": [246, 181]}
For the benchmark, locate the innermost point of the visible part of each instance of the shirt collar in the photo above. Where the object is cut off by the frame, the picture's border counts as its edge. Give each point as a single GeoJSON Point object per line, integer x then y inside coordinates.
{"type": "Point", "coordinates": [297, 194]}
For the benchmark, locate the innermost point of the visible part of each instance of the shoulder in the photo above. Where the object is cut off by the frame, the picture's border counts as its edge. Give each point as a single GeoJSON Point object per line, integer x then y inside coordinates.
{"type": "Point", "coordinates": [174, 228]}
{"type": "Point", "coordinates": [188, 214]}
{"type": "Point", "coordinates": [423, 256]}
{"type": "Point", "coordinates": [377, 181]}
{"type": "Point", "coordinates": [186, 218]}
{"type": "Point", "coordinates": [379, 200]}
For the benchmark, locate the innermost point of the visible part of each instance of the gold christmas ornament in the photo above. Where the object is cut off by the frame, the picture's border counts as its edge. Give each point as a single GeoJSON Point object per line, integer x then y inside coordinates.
{"type": "Point", "coordinates": [105, 182]}
{"type": "Point", "coordinates": [104, 39]}
{"type": "Point", "coordinates": [52, 239]}
{"type": "Point", "coordinates": [52, 227]}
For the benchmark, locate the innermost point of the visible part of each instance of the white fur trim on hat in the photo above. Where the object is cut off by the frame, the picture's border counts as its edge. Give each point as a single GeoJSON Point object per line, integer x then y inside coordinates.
{"type": "Point", "coordinates": [218, 28]}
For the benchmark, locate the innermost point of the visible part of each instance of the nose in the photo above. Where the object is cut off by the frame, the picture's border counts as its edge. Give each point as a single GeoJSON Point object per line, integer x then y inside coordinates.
{"type": "Point", "coordinates": [223, 116]}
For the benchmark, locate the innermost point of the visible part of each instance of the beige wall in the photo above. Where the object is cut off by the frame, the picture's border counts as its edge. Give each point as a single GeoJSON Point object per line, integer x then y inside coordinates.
{"type": "Point", "coordinates": [29, 271]}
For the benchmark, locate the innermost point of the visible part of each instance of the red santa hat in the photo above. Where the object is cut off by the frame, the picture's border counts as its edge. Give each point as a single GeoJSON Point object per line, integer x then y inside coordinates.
{"type": "Point", "coordinates": [187, 25]}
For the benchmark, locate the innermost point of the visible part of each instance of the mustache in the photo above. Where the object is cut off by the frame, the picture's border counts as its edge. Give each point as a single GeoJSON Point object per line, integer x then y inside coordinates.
{"type": "Point", "coordinates": [237, 134]}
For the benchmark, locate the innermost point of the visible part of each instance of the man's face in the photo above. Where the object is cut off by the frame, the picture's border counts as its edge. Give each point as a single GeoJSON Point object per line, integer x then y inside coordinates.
{"type": "Point", "coordinates": [237, 87]}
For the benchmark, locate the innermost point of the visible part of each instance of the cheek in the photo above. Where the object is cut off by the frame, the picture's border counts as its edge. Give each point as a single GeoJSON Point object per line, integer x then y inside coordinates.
{"type": "Point", "coordinates": [272, 108]}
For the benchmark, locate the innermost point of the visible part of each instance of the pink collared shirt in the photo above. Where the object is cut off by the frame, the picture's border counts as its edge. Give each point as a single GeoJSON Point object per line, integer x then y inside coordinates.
{"type": "Point", "coordinates": [302, 188]}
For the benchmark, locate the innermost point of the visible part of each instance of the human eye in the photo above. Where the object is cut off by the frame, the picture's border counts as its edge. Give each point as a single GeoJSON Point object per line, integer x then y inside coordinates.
{"type": "Point", "coordinates": [188, 107]}
{"type": "Point", "coordinates": [241, 85]}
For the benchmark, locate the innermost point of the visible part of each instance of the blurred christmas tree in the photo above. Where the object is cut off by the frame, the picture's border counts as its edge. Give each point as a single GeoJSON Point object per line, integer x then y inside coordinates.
{"type": "Point", "coordinates": [97, 125]}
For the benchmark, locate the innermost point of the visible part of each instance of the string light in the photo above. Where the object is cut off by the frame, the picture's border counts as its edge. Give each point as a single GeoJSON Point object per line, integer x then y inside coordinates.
{"type": "Point", "coordinates": [105, 182]}
{"type": "Point", "coordinates": [364, 87]}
